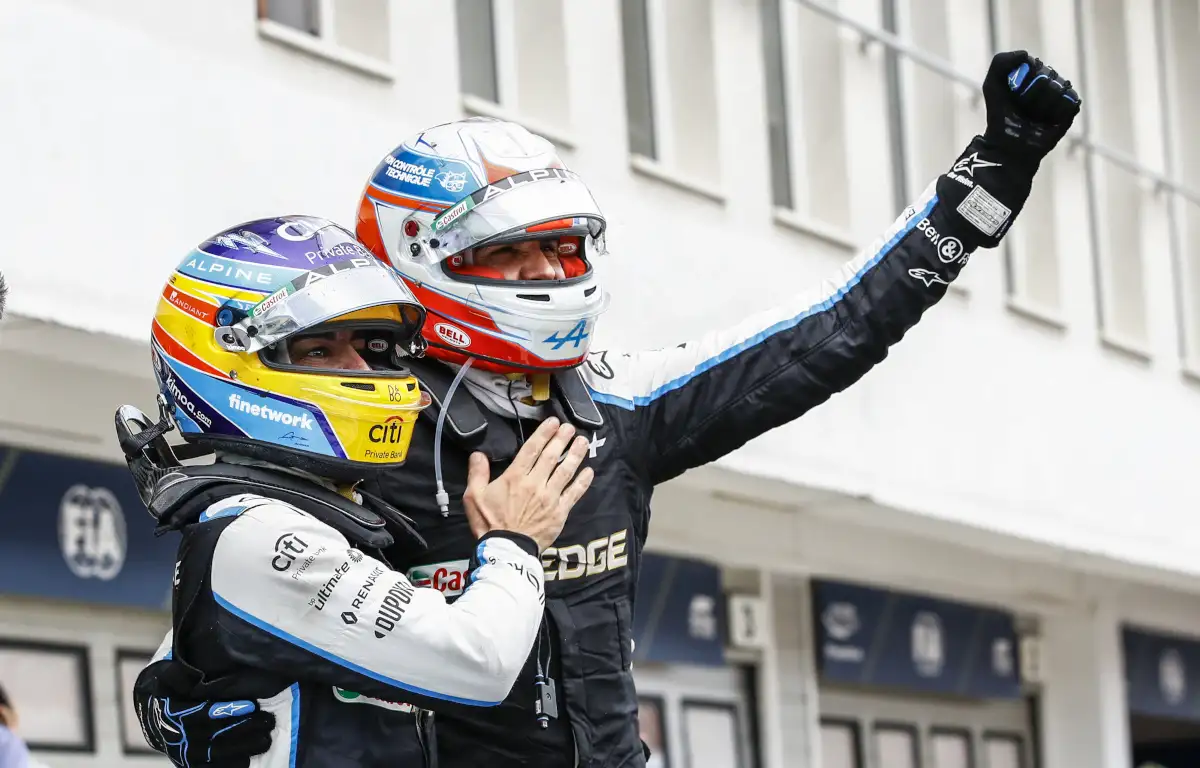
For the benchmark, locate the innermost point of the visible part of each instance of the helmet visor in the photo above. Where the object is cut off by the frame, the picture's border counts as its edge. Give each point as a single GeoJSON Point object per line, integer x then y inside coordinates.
{"type": "Point", "coordinates": [321, 295]}
{"type": "Point", "coordinates": [513, 209]}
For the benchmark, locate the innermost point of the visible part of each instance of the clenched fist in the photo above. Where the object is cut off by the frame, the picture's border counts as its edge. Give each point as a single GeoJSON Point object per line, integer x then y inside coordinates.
{"type": "Point", "coordinates": [1030, 107]}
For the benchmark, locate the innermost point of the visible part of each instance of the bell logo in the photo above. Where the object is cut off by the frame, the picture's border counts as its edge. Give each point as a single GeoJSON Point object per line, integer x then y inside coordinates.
{"type": "Point", "coordinates": [391, 431]}
{"type": "Point", "coordinates": [452, 335]}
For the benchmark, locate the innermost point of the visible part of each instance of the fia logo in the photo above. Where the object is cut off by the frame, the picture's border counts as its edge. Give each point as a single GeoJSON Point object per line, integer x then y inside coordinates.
{"type": "Point", "coordinates": [91, 532]}
{"type": "Point", "coordinates": [928, 651]}
{"type": "Point", "coordinates": [1172, 676]}
{"type": "Point", "coordinates": [702, 617]}
{"type": "Point", "coordinates": [1003, 664]}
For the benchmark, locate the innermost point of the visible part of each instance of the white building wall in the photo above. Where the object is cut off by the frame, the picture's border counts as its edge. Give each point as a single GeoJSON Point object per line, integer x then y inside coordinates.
{"type": "Point", "coordinates": [1006, 452]}
{"type": "Point", "coordinates": [1083, 706]}
{"type": "Point", "coordinates": [142, 129]}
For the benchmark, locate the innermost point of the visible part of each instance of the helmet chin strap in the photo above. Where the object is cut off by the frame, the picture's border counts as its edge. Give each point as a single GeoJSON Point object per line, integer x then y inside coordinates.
{"type": "Point", "coordinates": [539, 386]}
{"type": "Point", "coordinates": [510, 395]}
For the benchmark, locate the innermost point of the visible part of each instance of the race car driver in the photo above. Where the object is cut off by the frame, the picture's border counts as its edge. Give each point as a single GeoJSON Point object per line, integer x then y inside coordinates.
{"type": "Point", "coordinates": [284, 608]}
{"type": "Point", "coordinates": [497, 239]}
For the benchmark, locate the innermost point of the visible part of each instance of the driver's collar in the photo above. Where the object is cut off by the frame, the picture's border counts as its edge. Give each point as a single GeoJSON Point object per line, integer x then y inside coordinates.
{"type": "Point", "coordinates": [343, 490]}
{"type": "Point", "coordinates": [506, 395]}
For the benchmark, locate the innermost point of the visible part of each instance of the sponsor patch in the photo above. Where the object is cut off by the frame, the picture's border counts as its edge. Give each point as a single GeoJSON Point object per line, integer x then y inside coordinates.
{"type": "Point", "coordinates": [452, 335]}
{"type": "Point", "coordinates": [350, 697]}
{"type": "Point", "coordinates": [449, 577]}
{"type": "Point", "coordinates": [927, 276]}
{"type": "Point", "coordinates": [984, 211]}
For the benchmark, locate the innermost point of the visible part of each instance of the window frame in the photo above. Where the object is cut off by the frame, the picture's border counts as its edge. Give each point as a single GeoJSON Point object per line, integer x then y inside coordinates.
{"type": "Point", "coordinates": [772, 25]}
{"type": "Point", "coordinates": [911, 729]}
{"type": "Point", "coordinates": [663, 722]}
{"type": "Point", "coordinates": [856, 729]}
{"type": "Point", "coordinates": [1187, 316]}
{"type": "Point", "coordinates": [84, 673]}
{"type": "Point", "coordinates": [796, 211]}
{"type": "Point", "coordinates": [122, 654]}
{"type": "Point", "coordinates": [1009, 736]}
{"type": "Point", "coordinates": [322, 45]}
{"type": "Point", "coordinates": [1101, 284]}
{"type": "Point", "coordinates": [504, 66]}
{"type": "Point", "coordinates": [956, 730]}
{"type": "Point", "coordinates": [1017, 299]}
{"type": "Point", "coordinates": [897, 114]}
{"type": "Point", "coordinates": [664, 166]}
{"type": "Point", "coordinates": [721, 705]}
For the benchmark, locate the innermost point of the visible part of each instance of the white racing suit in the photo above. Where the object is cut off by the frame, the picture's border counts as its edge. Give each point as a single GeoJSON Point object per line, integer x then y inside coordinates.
{"type": "Point", "coordinates": [272, 604]}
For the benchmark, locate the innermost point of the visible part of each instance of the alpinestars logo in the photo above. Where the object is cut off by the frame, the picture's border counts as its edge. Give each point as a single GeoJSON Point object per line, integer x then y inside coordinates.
{"type": "Point", "coordinates": [972, 163]}
{"type": "Point", "coordinates": [229, 709]}
{"type": "Point", "coordinates": [927, 276]}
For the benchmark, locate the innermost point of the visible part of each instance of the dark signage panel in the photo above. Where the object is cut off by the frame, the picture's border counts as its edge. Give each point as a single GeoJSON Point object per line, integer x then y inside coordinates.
{"type": "Point", "coordinates": [876, 637]}
{"type": "Point", "coordinates": [679, 617]}
{"type": "Point", "coordinates": [75, 529]}
{"type": "Point", "coordinates": [1162, 674]}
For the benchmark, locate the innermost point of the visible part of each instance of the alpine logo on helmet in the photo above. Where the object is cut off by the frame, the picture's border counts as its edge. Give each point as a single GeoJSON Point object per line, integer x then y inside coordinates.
{"type": "Point", "coordinates": [236, 385]}
{"type": "Point", "coordinates": [499, 248]}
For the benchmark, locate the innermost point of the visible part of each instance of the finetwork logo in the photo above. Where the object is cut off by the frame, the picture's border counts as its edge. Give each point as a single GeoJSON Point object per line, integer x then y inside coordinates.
{"type": "Point", "coordinates": [301, 420]}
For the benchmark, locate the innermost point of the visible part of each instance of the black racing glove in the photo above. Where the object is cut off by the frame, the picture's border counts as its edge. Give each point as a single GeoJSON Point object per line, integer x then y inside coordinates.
{"type": "Point", "coordinates": [1030, 107]}
{"type": "Point", "coordinates": [192, 733]}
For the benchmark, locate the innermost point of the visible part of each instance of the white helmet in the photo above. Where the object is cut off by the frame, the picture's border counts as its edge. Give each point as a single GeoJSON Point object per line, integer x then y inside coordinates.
{"type": "Point", "coordinates": [476, 183]}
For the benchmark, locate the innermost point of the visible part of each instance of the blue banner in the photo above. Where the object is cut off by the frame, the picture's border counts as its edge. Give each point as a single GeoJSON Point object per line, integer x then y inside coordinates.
{"type": "Point", "coordinates": [1162, 674]}
{"type": "Point", "coordinates": [877, 637]}
{"type": "Point", "coordinates": [75, 529]}
{"type": "Point", "coordinates": [679, 614]}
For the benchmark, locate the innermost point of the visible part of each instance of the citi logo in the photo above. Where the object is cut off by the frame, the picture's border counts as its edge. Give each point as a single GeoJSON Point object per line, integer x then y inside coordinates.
{"type": "Point", "coordinates": [301, 420]}
{"type": "Point", "coordinates": [390, 431]}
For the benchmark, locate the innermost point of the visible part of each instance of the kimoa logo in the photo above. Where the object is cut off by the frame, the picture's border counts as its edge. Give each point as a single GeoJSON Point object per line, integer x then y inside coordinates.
{"type": "Point", "coordinates": [350, 697]}
{"type": "Point", "coordinates": [183, 400]}
{"type": "Point", "coordinates": [301, 420]}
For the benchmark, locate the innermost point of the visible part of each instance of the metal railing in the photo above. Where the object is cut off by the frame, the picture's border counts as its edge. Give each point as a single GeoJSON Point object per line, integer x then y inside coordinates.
{"type": "Point", "coordinates": [944, 68]}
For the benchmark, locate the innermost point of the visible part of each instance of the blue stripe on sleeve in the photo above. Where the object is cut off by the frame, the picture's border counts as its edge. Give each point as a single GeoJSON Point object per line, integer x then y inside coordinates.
{"type": "Point", "coordinates": [341, 662]}
{"type": "Point", "coordinates": [761, 336]}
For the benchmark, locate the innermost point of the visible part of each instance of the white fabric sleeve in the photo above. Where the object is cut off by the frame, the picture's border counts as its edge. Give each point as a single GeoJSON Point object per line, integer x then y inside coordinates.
{"type": "Point", "coordinates": [288, 575]}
